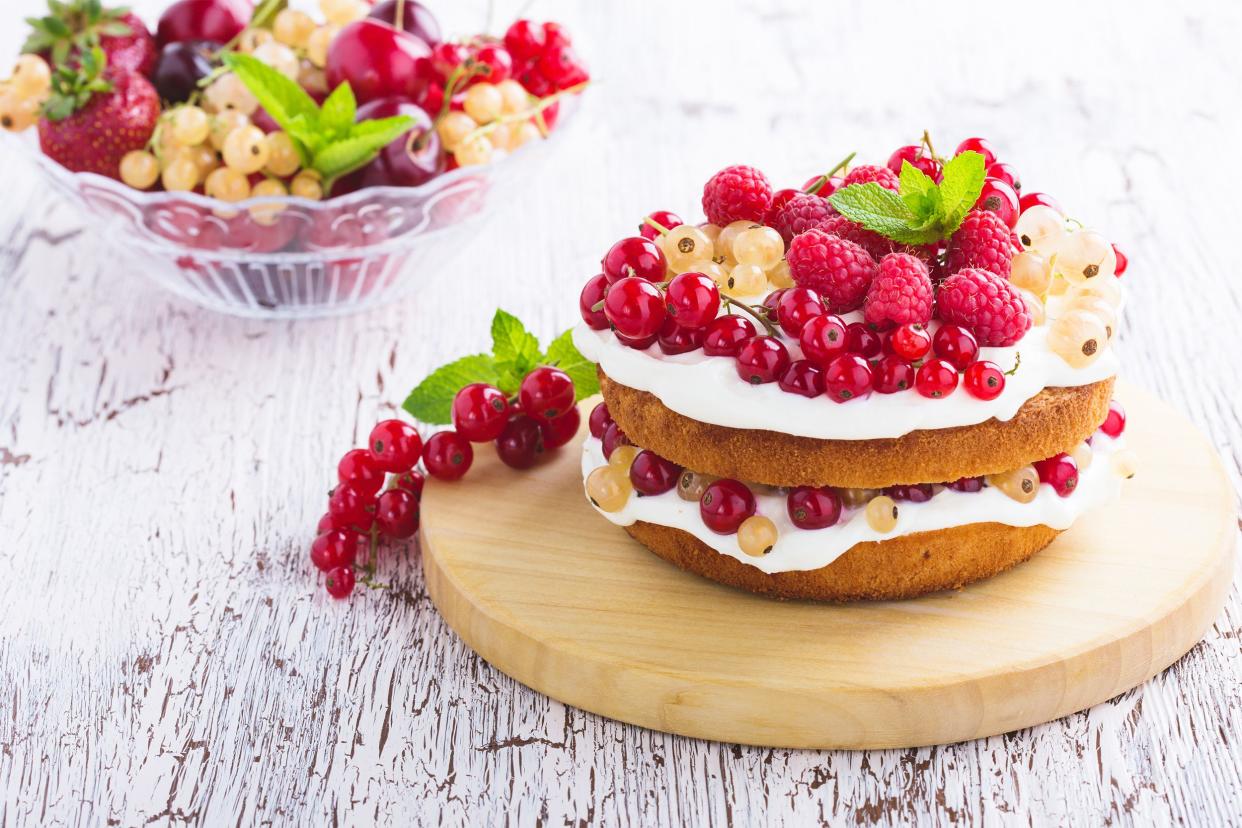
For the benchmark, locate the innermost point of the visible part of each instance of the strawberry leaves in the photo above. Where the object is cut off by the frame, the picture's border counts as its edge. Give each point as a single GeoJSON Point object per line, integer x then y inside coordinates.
{"type": "Point", "coordinates": [74, 86]}
{"type": "Point", "coordinates": [74, 26]}
{"type": "Point", "coordinates": [922, 211]}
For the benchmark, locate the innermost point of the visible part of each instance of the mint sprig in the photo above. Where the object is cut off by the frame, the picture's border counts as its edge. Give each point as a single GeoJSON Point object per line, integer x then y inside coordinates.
{"type": "Point", "coordinates": [515, 353]}
{"type": "Point", "coordinates": [327, 138]}
{"type": "Point", "coordinates": [922, 211]}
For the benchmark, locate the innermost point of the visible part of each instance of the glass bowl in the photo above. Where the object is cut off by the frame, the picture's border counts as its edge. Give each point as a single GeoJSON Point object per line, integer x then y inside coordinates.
{"type": "Point", "coordinates": [289, 258]}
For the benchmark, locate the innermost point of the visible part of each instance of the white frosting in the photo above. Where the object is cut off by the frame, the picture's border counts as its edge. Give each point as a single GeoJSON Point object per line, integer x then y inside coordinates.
{"type": "Point", "coordinates": [801, 549]}
{"type": "Point", "coordinates": [708, 389]}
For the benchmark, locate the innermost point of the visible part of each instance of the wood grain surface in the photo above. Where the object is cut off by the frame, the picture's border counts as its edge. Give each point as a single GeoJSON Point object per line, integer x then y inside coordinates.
{"type": "Point", "coordinates": [166, 656]}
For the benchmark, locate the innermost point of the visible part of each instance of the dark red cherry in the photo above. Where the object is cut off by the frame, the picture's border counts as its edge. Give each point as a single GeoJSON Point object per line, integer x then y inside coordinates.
{"type": "Point", "coordinates": [379, 61]}
{"type": "Point", "coordinates": [416, 19]}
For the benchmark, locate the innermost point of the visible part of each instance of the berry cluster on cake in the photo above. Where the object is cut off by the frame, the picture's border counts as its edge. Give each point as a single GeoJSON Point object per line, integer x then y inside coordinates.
{"type": "Point", "coordinates": [894, 380]}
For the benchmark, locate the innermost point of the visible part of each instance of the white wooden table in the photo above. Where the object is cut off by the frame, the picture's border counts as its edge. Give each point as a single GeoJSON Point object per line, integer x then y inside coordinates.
{"type": "Point", "coordinates": [166, 655]}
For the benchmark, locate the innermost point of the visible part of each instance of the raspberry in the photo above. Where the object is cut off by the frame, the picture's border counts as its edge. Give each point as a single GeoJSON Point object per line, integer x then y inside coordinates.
{"type": "Point", "coordinates": [875, 244]}
{"type": "Point", "coordinates": [986, 304]}
{"type": "Point", "coordinates": [983, 241]}
{"type": "Point", "coordinates": [737, 193]}
{"type": "Point", "coordinates": [900, 293]}
{"type": "Point", "coordinates": [866, 174]}
{"type": "Point", "coordinates": [838, 270]}
{"type": "Point", "coordinates": [799, 214]}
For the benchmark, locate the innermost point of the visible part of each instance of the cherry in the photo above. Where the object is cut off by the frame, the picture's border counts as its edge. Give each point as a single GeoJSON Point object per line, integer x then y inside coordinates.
{"type": "Point", "coordinates": [910, 341]}
{"type": "Point", "coordinates": [416, 19]}
{"type": "Point", "coordinates": [796, 307]}
{"type": "Point", "coordinates": [823, 338]}
{"type": "Point", "coordinates": [914, 492]}
{"type": "Point", "coordinates": [412, 159]}
{"type": "Point", "coordinates": [956, 345]}
{"type": "Point", "coordinates": [599, 420]}
{"type": "Point", "coordinates": [802, 377]}
{"type": "Point", "coordinates": [813, 508]}
{"type": "Point", "coordinates": [635, 307]}
{"type": "Point", "coordinates": [693, 300]}
{"type": "Point", "coordinates": [447, 455]}
{"type": "Point", "coordinates": [379, 61]}
{"type": "Point", "coordinates": [1000, 198]}
{"type": "Point", "coordinates": [521, 443]}
{"type": "Point", "coordinates": [762, 359]}
{"type": "Point", "coordinates": [726, 335]}
{"type": "Point", "coordinates": [861, 340]}
{"type": "Point", "coordinates": [725, 504]}
{"type": "Point", "coordinates": [651, 474]}
{"type": "Point", "coordinates": [1007, 173]}
{"type": "Point", "coordinates": [333, 548]}
{"type": "Point", "coordinates": [984, 380]}
{"type": "Point", "coordinates": [1060, 472]}
{"type": "Point", "coordinates": [936, 379]}
{"type": "Point", "coordinates": [561, 430]}
{"type": "Point", "coordinates": [892, 374]}
{"type": "Point", "coordinates": [635, 256]}
{"type": "Point", "coordinates": [525, 40]}
{"type": "Point", "coordinates": [970, 485]}
{"type": "Point", "coordinates": [351, 506]}
{"type": "Point", "coordinates": [358, 467]}
{"type": "Point", "coordinates": [848, 376]}
{"type": "Point", "coordinates": [395, 445]}
{"type": "Point", "coordinates": [1122, 261]}
{"type": "Point", "coordinates": [664, 218]}
{"type": "Point", "coordinates": [479, 412]}
{"type": "Point", "coordinates": [613, 437]}
{"type": "Point", "coordinates": [396, 514]}
{"type": "Point", "coordinates": [674, 339]}
{"type": "Point", "coordinates": [914, 154]}
{"type": "Point", "coordinates": [1029, 200]}
{"type": "Point", "coordinates": [981, 146]}
{"type": "Point", "coordinates": [412, 482]}
{"type": "Point", "coordinates": [592, 294]}
{"type": "Point", "coordinates": [181, 66]}
{"type": "Point", "coordinates": [340, 582]}
{"type": "Point", "coordinates": [1115, 423]}
{"type": "Point", "coordinates": [216, 21]}
{"type": "Point", "coordinates": [546, 393]}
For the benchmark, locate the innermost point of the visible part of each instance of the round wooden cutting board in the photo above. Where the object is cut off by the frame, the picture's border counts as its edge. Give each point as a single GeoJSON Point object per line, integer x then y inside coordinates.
{"type": "Point", "coordinates": [558, 598]}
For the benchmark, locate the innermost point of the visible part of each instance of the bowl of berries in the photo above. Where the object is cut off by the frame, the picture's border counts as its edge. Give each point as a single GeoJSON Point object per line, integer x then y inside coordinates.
{"type": "Point", "coordinates": [266, 162]}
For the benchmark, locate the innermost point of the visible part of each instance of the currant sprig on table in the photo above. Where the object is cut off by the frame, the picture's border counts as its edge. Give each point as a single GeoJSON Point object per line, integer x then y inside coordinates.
{"type": "Point", "coordinates": [519, 397]}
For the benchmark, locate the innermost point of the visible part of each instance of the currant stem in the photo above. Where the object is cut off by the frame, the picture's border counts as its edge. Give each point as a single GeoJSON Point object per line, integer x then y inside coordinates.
{"type": "Point", "coordinates": [823, 179]}
{"type": "Point", "coordinates": [660, 228]}
{"type": "Point", "coordinates": [1016, 362]}
{"type": "Point", "coordinates": [759, 317]}
{"type": "Point", "coordinates": [399, 19]}
{"type": "Point", "coordinates": [930, 149]}
{"type": "Point", "coordinates": [527, 114]}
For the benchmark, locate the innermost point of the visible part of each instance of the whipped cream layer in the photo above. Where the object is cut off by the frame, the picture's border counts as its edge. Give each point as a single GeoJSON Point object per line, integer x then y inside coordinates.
{"type": "Point", "coordinates": [802, 549]}
{"type": "Point", "coordinates": [708, 389]}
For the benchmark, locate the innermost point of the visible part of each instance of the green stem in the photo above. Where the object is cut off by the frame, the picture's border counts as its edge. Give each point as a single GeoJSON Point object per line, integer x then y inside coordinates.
{"type": "Point", "coordinates": [660, 228]}
{"type": "Point", "coordinates": [526, 114]}
{"type": "Point", "coordinates": [823, 179]}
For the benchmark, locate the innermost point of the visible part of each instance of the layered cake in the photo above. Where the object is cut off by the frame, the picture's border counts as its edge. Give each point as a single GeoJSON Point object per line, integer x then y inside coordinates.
{"type": "Point", "coordinates": [893, 380]}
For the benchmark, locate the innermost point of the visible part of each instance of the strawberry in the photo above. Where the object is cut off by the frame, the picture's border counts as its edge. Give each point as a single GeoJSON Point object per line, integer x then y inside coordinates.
{"type": "Point", "coordinates": [72, 27]}
{"type": "Point", "coordinates": [96, 115]}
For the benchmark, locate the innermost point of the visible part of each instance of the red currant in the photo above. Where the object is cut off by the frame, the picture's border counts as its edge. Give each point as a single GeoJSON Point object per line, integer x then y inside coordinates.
{"type": "Point", "coordinates": [771, 302]}
{"type": "Point", "coordinates": [956, 346]}
{"type": "Point", "coordinates": [674, 339]}
{"type": "Point", "coordinates": [813, 508]}
{"type": "Point", "coordinates": [998, 197]}
{"type": "Point", "coordinates": [396, 514]}
{"type": "Point", "coordinates": [913, 492]}
{"type": "Point", "coordinates": [412, 482]}
{"type": "Point", "coordinates": [796, 307]}
{"type": "Point", "coordinates": [861, 340]}
{"type": "Point", "coordinates": [1115, 423]}
{"type": "Point", "coordinates": [592, 294]}
{"type": "Point", "coordinates": [327, 523]}
{"type": "Point", "coordinates": [560, 431]}
{"type": "Point", "coordinates": [613, 437]}
{"type": "Point", "coordinates": [663, 218]}
{"type": "Point", "coordinates": [395, 445]}
{"type": "Point", "coordinates": [599, 420]}
{"type": "Point", "coordinates": [340, 582]}
{"type": "Point", "coordinates": [351, 506]}
{"type": "Point", "coordinates": [562, 66]}
{"type": "Point", "coordinates": [333, 548]}
{"type": "Point", "coordinates": [762, 359]}
{"type": "Point", "coordinates": [802, 377]}
{"type": "Point", "coordinates": [1122, 261]}
{"type": "Point", "coordinates": [726, 335]}
{"type": "Point", "coordinates": [823, 338]}
{"type": "Point", "coordinates": [1007, 173]}
{"type": "Point", "coordinates": [447, 455]}
{"type": "Point", "coordinates": [984, 380]}
{"type": "Point", "coordinates": [693, 300]}
{"type": "Point", "coordinates": [447, 56]}
{"type": "Point", "coordinates": [1029, 200]}
{"type": "Point", "coordinates": [638, 344]}
{"type": "Point", "coordinates": [970, 485]}
{"type": "Point", "coordinates": [725, 504]}
{"type": "Point", "coordinates": [635, 256]}
{"type": "Point", "coordinates": [635, 307]}
{"type": "Point", "coordinates": [779, 199]}
{"type": "Point", "coordinates": [358, 467]}
{"type": "Point", "coordinates": [914, 154]}
{"type": "Point", "coordinates": [935, 379]}
{"type": "Point", "coordinates": [494, 64]}
{"type": "Point", "coordinates": [651, 474]}
{"type": "Point", "coordinates": [892, 374]}
{"type": "Point", "coordinates": [480, 412]}
{"type": "Point", "coordinates": [981, 146]}
{"type": "Point", "coordinates": [546, 393]}
{"type": "Point", "coordinates": [525, 40]}
{"type": "Point", "coordinates": [847, 377]}
{"type": "Point", "coordinates": [910, 341]}
{"type": "Point", "coordinates": [521, 443]}
{"type": "Point", "coordinates": [1060, 472]}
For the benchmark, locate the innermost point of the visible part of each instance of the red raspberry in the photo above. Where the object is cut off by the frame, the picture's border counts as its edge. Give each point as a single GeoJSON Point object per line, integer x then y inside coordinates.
{"type": "Point", "coordinates": [875, 244]}
{"type": "Point", "coordinates": [799, 214]}
{"type": "Point", "coordinates": [838, 270]}
{"type": "Point", "coordinates": [986, 304]}
{"type": "Point", "coordinates": [983, 241]}
{"type": "Point", "coordinates": [868, 173]}
{"type": "Point", "coordinates": [900, 293]}
{"type": "Point", "coordinates": [737, 193]}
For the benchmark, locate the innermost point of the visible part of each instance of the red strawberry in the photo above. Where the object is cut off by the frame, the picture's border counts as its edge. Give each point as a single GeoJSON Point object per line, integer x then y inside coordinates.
{"type": "Point", "coordinates": [95, 116]}
{"type": "Point", "coordinates": [70, 28]}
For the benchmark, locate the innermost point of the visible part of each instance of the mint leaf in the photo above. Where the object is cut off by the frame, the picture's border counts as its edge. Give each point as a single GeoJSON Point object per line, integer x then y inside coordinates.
{"type": "Point", "coordinates": [920, 193]}
{"type": "Point", "coordinates": [873, 207]}
{"type": "Point", "coordinates": [564, 355]}
{"type": "Point", "coordinates": [432, 400]}
{"type": "Point", "coordinates": [960, 188]}
{"type": "Point", "coordinates": [283, 98]}
{"type": "Point", "coordinates": [346, 155]}
{"type": "Point", "coordinates": [514, 349]}
{"type": "Point", "coordinates": [337, 114]}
